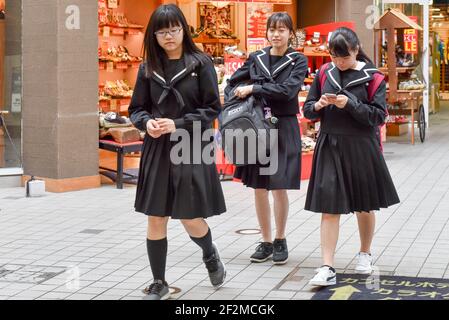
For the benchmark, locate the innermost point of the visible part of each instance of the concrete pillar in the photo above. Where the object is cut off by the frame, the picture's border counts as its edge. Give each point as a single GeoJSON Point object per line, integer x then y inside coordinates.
{"type": "Point", "coordinates": [355, 10]}
{"type": "Point", "coordinates": [60, 93]}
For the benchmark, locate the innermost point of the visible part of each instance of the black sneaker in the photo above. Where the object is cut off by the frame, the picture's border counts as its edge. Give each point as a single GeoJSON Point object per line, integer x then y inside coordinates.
{"type": "Point", "coordinates": [216, 268]}
{"type": "Point", "coordinates": [280, 251]}
{"type": "Point", "coordinates": [264, 251]}
{"type": "Point", "coordinates": [158, 290]}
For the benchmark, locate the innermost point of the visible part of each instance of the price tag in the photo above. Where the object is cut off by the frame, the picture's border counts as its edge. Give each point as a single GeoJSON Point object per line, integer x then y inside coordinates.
{"type": "Point", "coordinates": [114, 104]}
{"type": "Point", "coordinates": [110, 66]}
{"type": "Point", "coordinates": [122, 65]}
{"type": "Point", "coordinates": [16, 102]}
{"type": "Point", "coordinates": [118, 31]}
{"type": "Point", "coordinates": [106, 32]}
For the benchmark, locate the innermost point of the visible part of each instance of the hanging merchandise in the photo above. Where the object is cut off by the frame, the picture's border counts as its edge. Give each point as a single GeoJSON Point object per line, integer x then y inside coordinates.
{"type": "Point", "coordinates": [216, 27]}
{"type": "Point", "coordinates": [119, 54]}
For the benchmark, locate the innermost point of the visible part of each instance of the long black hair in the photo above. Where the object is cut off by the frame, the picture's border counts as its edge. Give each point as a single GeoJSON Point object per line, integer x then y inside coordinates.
{"type": "Point", "coordinates": [344, 40]}
{"type": "Point", "coordinates": [280, 19]}
{"type": "Point", "coordinates": [167, 16]}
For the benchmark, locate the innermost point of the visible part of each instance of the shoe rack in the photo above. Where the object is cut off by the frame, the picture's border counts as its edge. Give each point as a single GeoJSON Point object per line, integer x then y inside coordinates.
{"type": "Point", "coordinates": [121, 28]}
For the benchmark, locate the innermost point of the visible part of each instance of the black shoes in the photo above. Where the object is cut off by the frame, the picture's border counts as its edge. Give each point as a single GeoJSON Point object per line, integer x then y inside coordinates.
{"type": "Point", "coordinates": [216, 268]}
{"type": "Point", "coordinates": [277, 250]}
{"type": "Point", "coordinates": [158, 290]}
{"type": "Point", "coordinates": [280, 251]}
{"type": "Point", "coordinates": [264, 251]}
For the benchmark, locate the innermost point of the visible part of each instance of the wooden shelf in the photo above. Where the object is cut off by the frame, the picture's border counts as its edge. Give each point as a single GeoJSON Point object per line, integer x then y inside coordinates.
{"type": "Point", "coordinates": [398, 69]}
{"type": "Point", "coordinates": [103, 65]}
{"type": "Point", "coordinates": [118, 31]}
{"type": "Point", "coordinates": [411, 92]}
{"type": "Point", "coordinates": [216, 41]}
{"type": "Point", "coordinates": [115, 104]}
{"type": "Point", "coordinates": [316, 54]}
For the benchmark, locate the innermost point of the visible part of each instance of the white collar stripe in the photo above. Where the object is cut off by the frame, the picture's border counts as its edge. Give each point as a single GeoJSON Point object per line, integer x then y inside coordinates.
{"type": "Point", "coordinates": [290, 60]}
{"type": "Point", "coordinates": [180, 73]}
{"type": "Point", "coordinates": [332, 77]}
{"type": "Point", "coordinates": [264, 66]}
{"type": "Point", "coordinates": [157, 75]}
{"type": "Point", "coordinates": [363, 78]}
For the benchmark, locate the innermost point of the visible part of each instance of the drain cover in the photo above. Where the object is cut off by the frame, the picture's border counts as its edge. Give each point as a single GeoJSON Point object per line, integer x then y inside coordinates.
{"type": "Point", "coordinates": [247, 232]}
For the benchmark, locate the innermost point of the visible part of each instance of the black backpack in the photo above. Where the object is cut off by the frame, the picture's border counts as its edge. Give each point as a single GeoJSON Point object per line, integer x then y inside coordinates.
{"type": "Point", "coordinates": [246, 136]}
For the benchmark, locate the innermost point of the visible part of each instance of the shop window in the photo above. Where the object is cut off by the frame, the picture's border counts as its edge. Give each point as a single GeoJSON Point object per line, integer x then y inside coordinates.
{"type": "Point", "coordinates": [10, 84]}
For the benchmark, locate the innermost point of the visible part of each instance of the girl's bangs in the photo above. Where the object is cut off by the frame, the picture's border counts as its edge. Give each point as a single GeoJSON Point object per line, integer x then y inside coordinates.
{"type": "Point", "coordinates": [278, 21]}
{"type": "Point", "coordinates": [166, 19]}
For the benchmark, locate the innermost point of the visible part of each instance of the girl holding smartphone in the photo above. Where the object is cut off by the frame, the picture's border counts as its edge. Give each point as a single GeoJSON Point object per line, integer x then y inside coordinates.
{"type": "Point", "coordinates": [349, 173]}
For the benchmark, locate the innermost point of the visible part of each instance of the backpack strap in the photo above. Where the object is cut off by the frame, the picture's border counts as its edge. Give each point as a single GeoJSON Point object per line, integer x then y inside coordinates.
{"type": "Point", "coordinates": [374, 85]}
{"type": "Point", "coordinates": [323, 75]}
{"type": "Point", "coordinates": [372, 88]}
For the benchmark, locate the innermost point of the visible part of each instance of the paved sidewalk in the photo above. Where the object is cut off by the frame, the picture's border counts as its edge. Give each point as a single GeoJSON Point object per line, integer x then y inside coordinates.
{"type": "Point", "coordinates": [91, 245]}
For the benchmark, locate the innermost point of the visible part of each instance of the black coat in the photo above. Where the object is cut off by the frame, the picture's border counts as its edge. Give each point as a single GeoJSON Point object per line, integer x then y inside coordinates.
{"type": "Point", "coordinates": [360, 116]}
{"type": "Point", "coordinates": [166, 188]}
{"type": "Point", "coordinates": [279, 88]}
{"type": "Point", "coordinates": [349, 173]}
{"type": "Point", "coordinates": [195, 89]}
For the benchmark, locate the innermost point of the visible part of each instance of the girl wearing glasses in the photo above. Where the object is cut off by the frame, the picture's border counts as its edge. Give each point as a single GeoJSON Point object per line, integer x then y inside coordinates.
{"type": "Point", "coordinates": [176, 91]}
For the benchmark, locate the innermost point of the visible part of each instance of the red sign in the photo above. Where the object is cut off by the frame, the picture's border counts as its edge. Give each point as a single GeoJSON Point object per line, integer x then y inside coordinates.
{"type": "Point", "coordinates": [411, 38]}
{"type": "Point", "coordinates": [258, 15]}
{"type": "Point", "coordinates": [232, 64]}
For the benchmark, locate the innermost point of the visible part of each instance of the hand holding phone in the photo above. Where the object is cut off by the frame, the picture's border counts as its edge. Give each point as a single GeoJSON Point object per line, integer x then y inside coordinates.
{"type": "Point", "coordinates": [325, 100]}
{"type": "Point", "coordinates": [331, 95]}
{"type": "Point", "coordinates": [331, 98]}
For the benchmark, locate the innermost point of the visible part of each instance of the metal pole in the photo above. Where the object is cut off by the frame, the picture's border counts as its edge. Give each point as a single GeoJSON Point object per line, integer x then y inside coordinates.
{"type": "Point", "coordinates": [425, 58]}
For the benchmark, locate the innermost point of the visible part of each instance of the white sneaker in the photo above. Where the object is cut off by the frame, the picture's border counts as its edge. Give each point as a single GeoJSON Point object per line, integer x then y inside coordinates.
{"type": "Point", "coordinates": [364, 263]}
{"type": "Point", "coordinates": [325, 276]}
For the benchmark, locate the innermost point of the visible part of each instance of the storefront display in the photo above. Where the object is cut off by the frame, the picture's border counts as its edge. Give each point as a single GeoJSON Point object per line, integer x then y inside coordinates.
{"type": "Point", "coordinates": [405, 97]}
{"type": "Point", "coordinates": [215, 28]}
{"type": "Point", "coordinates": [119, 55]}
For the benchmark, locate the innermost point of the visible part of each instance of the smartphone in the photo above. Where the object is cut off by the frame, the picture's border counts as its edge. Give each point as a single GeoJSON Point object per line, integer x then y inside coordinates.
{"type": "Point", "coordinates": [331, 95]}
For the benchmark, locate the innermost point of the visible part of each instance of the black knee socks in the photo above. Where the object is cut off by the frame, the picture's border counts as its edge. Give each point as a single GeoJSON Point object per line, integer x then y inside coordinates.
{"type": "Point", "coordinates": [157, 253]}
{"type": "Point", "coordinates": [205, 243]}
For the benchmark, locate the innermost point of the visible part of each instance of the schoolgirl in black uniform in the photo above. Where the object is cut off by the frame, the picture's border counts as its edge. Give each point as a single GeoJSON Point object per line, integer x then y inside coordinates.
{"type": "Point", "coordinates": [176, 89]}
{"type": "Point", "coordinates": [276, 74]}
{"type": "Point", "coordinates": [349, 173]}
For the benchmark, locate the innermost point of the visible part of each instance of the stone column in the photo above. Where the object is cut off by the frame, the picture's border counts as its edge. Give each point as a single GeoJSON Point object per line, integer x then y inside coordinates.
{"type": "Point", "coordinates": [355, 10]}
{"type": "Point", "coordinates": [60, 93]}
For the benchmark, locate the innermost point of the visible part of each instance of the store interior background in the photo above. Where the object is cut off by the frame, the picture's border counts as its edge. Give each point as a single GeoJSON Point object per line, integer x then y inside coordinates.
{"type": "Point", "coordinates": [47, 161]}
{"type": "Point", "coordinates": [304, 13]}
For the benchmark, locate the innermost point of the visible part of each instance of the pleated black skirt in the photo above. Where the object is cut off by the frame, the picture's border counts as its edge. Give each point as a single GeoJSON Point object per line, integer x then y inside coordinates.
{"type": "Point", "coordinates": [349, 174]}
{"type": "Point", "coordinates": [288, 173]}
{"type": "Point", "coordinates": [181, 191]}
